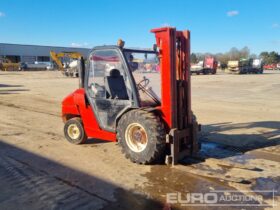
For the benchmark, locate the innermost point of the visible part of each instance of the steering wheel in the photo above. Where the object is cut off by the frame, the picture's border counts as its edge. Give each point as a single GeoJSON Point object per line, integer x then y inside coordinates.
{"type": "Point", "coordinates": [143, 83]}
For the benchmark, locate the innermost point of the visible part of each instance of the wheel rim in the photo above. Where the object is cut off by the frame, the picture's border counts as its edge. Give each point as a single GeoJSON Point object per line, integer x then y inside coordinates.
{"type": "Point", "coordinates": [73, 131]}
{"type": "Point", "coordinates": [136, 137]}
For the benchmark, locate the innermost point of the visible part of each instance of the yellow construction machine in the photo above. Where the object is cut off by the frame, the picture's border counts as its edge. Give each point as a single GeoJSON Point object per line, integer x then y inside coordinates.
{"type": "Point", "coordinates": [7, 65]}
{"type": "Point", "coordinates": [67, 62]}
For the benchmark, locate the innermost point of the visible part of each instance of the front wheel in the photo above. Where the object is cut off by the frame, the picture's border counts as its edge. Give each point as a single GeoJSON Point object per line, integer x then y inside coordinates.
{"type": "Point", "coordinates": [142, 137]}
{"type": "Point", "coordinates": [74, 131]}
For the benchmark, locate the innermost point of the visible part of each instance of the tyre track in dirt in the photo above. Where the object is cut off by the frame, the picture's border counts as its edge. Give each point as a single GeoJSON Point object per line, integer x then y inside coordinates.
{"type": "Point", "coordinates": [11, 105]}
{"type": "Point", "coordinates": [21, 129]}
{"type": "Point", "coordinates": [26, 124]}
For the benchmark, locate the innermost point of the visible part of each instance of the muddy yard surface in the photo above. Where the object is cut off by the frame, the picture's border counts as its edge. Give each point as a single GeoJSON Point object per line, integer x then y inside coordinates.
{"type": "Point", "coordinates": [240, 117]}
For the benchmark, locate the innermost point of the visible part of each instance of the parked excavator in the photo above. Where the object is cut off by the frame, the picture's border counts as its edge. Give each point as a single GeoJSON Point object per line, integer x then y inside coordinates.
{"type": "Point", "coordinates": [67, 62]}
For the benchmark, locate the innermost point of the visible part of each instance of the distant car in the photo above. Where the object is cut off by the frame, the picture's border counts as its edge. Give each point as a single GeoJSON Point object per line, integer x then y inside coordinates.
{"type": "Point", "coordinates": [22, 66]}
{"type": "Point", "coordinates": [36, 65]}
{"type": "Point", "coordinates": [197, 67]}
{"type": "Point", "coordinates": [50, 67]}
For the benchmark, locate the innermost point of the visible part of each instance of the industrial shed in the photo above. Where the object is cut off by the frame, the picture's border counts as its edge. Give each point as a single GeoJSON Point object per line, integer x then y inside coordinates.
{"type": "Point", "coordinates": [31, 53]}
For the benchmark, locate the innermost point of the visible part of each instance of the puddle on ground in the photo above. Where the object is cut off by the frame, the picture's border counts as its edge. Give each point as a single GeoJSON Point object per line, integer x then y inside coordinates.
{"type": "Point", "coordinates": [242, 159]}
{"type": "Point", "coordinates": [230, 153]}
{"type": "Point", "coordinates": [267, 186]}
{"type": "Point", "coordinates": [216, 150]}
{"type": "Point", "coordinates": [127, 200]}
{"type": "Point", "coordinates": [165, 179]}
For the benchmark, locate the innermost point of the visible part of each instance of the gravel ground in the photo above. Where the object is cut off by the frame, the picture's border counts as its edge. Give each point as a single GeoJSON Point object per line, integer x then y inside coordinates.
{"type": "Point", "coordinates": [39, 170]}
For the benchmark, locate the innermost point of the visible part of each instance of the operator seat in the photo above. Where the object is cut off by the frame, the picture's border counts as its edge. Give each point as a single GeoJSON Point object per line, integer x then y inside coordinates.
{"type": "Point", "coordinates": [115, 85]}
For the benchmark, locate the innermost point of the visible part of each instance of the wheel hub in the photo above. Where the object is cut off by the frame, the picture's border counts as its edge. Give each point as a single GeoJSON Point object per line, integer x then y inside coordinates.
{"type": "Point", "coordinates": [73, 131]}
{"type": "Point", "coordinates": [136, 137]}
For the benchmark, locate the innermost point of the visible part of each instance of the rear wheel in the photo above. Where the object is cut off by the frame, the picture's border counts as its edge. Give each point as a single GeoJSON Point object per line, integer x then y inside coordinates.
{"type": "Point", "coordinates": [74, 131]}
{"type": "Point", "coordinates": [142, 137]}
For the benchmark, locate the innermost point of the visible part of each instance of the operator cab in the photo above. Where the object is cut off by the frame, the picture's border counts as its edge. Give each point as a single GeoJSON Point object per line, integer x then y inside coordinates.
{"type": "Point", "coordinates": [118, 80]}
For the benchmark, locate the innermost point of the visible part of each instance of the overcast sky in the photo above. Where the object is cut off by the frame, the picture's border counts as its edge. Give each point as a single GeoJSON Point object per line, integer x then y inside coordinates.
{"type": "Point", "coordinates": [215, 25]}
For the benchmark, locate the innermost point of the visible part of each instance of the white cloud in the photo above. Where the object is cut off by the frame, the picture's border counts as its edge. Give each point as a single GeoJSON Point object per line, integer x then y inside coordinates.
{"type": "Point", "coordinates": [165, 25]}
{"type": "Point", "coordinates": [74, 44]}
{"type": "Point", "coordinates": [232, 13]}
{"type": "Point", "coordinates": [275, 25]}
{"type": "Point", "coordinates": [2, 14]}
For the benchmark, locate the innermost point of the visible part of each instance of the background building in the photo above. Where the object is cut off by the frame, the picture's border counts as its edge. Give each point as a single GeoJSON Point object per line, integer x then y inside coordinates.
{"type": "Point", "coordinates": [31, 53]}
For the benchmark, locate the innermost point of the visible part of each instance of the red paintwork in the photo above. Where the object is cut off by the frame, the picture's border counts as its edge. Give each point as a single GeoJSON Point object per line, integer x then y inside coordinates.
{"type": "Point", "coordinates": [165, 45]}
{"type": "Point", "coordinates": [105, 58]}
{"type": "Point", "coordinates": [174, 53]}
{"type": "Point", "coordinates": [210, 62]}
{"type": "Point", "coordinates": [270, 66]}
{"type": "Point", "coordinates": [75, 105]}
{"type": "Point", "coordinates": [174, 66]}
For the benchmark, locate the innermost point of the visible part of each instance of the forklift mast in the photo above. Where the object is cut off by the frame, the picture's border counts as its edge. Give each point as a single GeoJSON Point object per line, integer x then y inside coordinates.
{"type": "Point", "coordinates": [174, 56]}
{"type": "Point", "coordinates": [174, 52]}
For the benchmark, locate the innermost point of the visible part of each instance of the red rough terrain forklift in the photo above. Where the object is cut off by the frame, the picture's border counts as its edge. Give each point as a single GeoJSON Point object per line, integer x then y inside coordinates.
{"type": "Point", "coordinates": [149, 114]}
